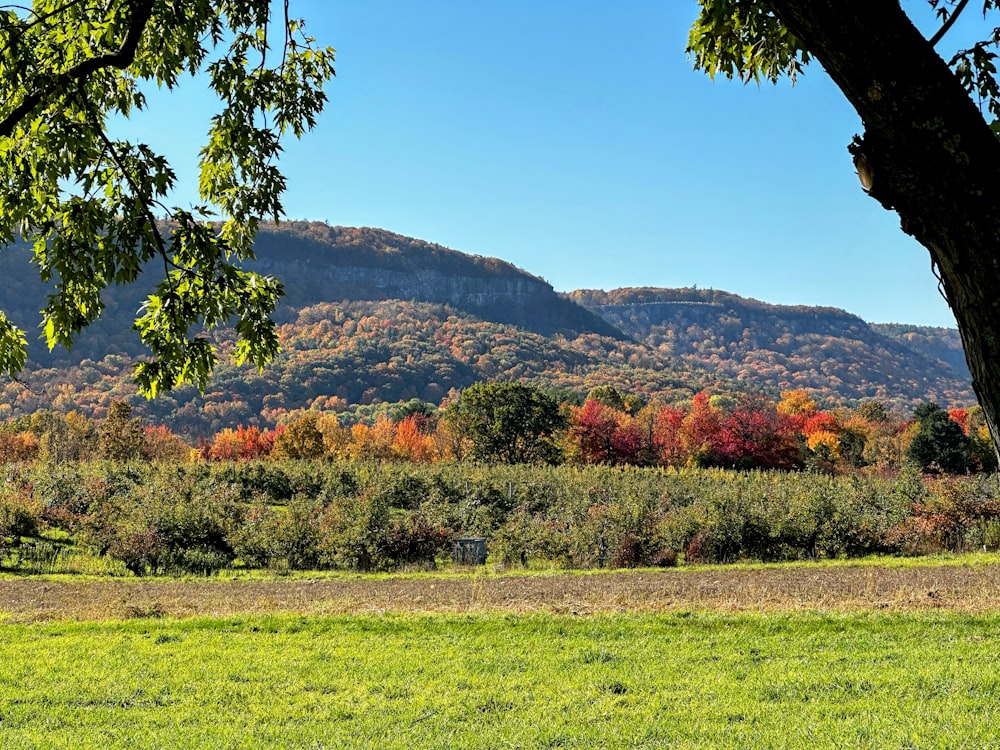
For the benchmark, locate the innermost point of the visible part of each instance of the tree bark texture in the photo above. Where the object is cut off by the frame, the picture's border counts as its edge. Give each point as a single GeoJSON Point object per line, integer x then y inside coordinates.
{"type": "Point", "coordinates": [929, 154]}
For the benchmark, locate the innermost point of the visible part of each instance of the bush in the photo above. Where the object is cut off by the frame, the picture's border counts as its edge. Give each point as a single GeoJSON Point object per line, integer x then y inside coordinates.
{"type": "Point", "coordinates": [169, 524]}
{"type": "Point", "coordinates": [414, 540]}
{"type": "Point", "coordinates": [957, 515]}
{"type": "Point", "coordinates": [64, 494]}
{"type": "Point", "coordinates": [354, 532]}
{"type": "Point", "coordinates": [140, 549]}
{"type": "Point", "coordinates": [288, 537]}
{"type": "Point", "coordinates": [198, 518]}
{"type": "Point", "coordinates": [18, 518]}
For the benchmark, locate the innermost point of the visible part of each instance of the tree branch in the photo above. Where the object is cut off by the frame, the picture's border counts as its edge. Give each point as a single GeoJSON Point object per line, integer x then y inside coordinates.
{"type": "Point", "coordinates": [949, 23]}
{"type": "Point", "coordinates": [27, 386]}
{"type": "Point", "coordinates": [124, 56]}
{"type": "Point", "coordinates": [44, 16]}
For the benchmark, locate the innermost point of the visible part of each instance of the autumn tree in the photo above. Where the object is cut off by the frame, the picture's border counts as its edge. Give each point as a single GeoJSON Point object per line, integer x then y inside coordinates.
{"type": "Point", "coordinates": [301, 438]}
{"type": "Point", "coordinates": [374, 442]}
{"type": "Point", "coordinates": [873, 412]}
{"type": "Point", "coordinates": [601, 434]}
{"type": "Point", "coordinates": [668, 436]}
{"type": "Point", "coordinates": [754, 435]}
{"type": "Point", "coordinates": [63, 437]}
{"type": "Point", "coordinates": [88, 201]}
{"type": "Point", "coordinates": [929, 150]}
{"type": "Point", "coordinates": [160, 444]}
{"type": "Point", "coordinates": [798, 405]}
{"type": "Point", "coordinates": [120, 436]}
{"type": "Point", "coordinates": [16, 447]}
{"type": "Point", "coordinates": [241, 444]}
{"type": "Point", "coordinates": [412, 444]}
{"type": "Point", "coordinates": [700, 430]}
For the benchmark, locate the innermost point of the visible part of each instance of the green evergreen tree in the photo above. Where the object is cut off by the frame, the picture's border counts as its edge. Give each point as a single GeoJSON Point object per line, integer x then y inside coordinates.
{"type": "Point", "coordinates": [940, 444]}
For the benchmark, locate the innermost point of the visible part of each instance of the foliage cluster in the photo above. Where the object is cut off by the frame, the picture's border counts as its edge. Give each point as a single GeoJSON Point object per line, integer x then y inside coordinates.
{"type": "Point", "coordinates": [341, 352]}
{"type": "Point", "coordinates": [511, 422]}
{"type": "Point", "coordinates": [293, 515]}
{"type": "Point", "coordinates": [87, 201]}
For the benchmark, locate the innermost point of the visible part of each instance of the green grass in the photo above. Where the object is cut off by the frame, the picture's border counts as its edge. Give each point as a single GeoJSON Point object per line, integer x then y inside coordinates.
{"type": "Point", "coordinates": [96, 572]}
{"type": "Point", "coordinates": [504, 681]}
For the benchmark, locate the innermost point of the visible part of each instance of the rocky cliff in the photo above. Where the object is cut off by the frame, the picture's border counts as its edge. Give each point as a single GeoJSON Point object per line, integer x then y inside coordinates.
{"type": "Point", "coordinates": [318, 263]}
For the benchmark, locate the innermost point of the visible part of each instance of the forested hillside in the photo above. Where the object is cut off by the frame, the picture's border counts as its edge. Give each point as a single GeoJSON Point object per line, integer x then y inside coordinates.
{"type": "Point", "coordinates": [318, 263]}
{"type": "Point", "coordinates": [371, 316]}
{"type": "Point", "coordinates": [358, 352]}
{"type": "Point", "coordinates": [822, 349]}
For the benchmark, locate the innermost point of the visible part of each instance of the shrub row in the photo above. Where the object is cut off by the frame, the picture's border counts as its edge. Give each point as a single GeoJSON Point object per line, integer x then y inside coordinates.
{"type": "Point", "coordinates": [200, 518]}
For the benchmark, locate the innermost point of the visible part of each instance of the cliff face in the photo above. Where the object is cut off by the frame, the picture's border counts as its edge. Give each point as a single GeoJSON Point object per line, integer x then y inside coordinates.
{"type": "Point", "coordinates": [320, 264]}
{"type": "Point", "coordinates": [761, 323]}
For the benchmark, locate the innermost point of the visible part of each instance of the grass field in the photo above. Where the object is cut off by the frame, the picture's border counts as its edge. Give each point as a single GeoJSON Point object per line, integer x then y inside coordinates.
{"type": "Point", "coordinates": [628, 670]}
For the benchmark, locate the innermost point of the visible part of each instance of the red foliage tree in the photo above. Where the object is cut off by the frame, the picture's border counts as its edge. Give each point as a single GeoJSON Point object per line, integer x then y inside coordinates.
{"type": "Point", "coordinates": [410, 443]}
{"type": "Point", "coordinates": [604, 435]}
{"type": "Point", "coordinates": [961, 418]}
{"type": "Point", "coordinates": [755, 436]}
{"type": "Point", "coordinates": [700, 430]}
{"type": "Point", "coordinates": [241, 444]}
{"type": "Point", "coordinates": [668, 440]}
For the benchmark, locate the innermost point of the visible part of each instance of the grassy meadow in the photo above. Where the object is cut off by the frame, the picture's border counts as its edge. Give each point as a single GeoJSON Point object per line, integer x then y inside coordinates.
{"type": "Point", "coordinates": [920, 679]}
{"type": "Point", "coordinates": [326, 614]}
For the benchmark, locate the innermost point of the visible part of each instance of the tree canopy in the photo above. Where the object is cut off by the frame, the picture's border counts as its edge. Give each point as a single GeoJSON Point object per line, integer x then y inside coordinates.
{"type": "Point", "coordinates": [507, 422]}
{"type": "Point", "coordinates": [929, 150]}
{"type": "Point", "coordinates": [93, 207]}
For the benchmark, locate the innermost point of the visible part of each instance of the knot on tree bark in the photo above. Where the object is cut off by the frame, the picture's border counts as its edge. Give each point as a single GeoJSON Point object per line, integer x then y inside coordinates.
{"type": "Point", "coordinates": [869, 161]}
{"type": "Point", "coordinates": [864, 167]}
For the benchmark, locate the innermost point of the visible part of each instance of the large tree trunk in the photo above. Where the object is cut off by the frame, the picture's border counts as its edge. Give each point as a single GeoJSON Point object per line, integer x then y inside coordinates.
{"type": "Point", "coordinates": [928, 153]}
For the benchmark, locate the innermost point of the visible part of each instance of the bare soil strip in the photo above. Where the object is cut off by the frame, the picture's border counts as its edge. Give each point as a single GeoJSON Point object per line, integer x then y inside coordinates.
{"type": "Point", "coordinates": [851, 588]}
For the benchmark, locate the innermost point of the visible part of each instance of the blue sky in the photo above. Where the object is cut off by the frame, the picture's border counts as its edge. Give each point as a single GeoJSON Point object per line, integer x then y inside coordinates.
{"type": "Point", "coordinates": [575, 141]}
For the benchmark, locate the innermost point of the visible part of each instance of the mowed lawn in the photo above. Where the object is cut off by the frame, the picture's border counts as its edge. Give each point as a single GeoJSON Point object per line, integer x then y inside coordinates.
{"type": "Point", "coordinates": [922, 679]}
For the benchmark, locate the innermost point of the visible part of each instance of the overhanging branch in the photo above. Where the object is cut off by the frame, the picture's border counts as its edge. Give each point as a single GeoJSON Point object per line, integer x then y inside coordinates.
{"type": "Point", "coordinates": [946, 26]}
{"type": "Point", "coordinates": [124, 56]}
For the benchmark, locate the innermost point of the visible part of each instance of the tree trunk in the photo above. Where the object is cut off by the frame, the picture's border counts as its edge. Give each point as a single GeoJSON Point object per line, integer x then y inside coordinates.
{"type": "Point", "coordinates": [926, 153]}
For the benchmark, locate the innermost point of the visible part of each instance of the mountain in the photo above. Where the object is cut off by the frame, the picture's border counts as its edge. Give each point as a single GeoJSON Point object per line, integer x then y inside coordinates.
{"type": "Point", "coordinates": [826, 350]}
{"type": "Point", "coordinates": [372, 316]}
{"type": "Point", "coordinates": [944, 344]}
{"type": "Point", "coordinates": [340, 354]}
{"type": "Point", "coordinates": [318, 263]}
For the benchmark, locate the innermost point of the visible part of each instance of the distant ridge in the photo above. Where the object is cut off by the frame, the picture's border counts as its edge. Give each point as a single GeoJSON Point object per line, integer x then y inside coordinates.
{"type": "Point", "coordinates": [319, 263]}
{"type": "Point", "coordinates": [373, 316]}
{"type": "Point", "coordinates": [818, 348]}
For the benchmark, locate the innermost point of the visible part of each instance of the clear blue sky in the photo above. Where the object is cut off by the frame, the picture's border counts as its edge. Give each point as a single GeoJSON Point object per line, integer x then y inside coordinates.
{"type": "Point", "coordinates": [574, 140]}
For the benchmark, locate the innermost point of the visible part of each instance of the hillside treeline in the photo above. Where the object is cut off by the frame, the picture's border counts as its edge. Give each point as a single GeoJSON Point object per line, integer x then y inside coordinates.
{"type": "Point", "coordinates": [508, 422]}
{"type": "Point", "coordinates": [371, 317]}
{"type": "Point", "coordinates": [825, 350]}
{"type": "Point", "coordinates": [358, 354]}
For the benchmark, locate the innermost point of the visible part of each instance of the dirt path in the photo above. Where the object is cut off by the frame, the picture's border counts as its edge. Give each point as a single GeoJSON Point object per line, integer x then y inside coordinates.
{"type": "Point", "coordinates": [850, 588]}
